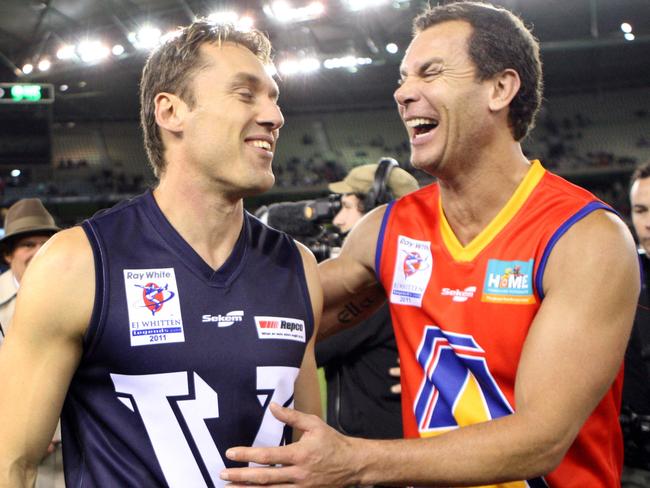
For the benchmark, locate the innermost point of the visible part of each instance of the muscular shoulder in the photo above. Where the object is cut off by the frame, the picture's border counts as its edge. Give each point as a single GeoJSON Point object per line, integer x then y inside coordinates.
{"type": "Point", "coordinates": [599, 245]}
{"type": "Point", "coordinates": [59, 284]}
{"type": "Point", "coordinates": [68, 249]}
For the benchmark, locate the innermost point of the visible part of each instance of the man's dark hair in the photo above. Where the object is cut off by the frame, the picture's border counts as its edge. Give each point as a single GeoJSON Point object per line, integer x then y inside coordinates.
{"type": "Point", "coordinates": [499, 41]}
{"type": "Point", "coordinates": [172, 65]}
{"type": "Point", "coordinates": [361, 198]}
{"type": "Point", "coordinates": [641, 172]}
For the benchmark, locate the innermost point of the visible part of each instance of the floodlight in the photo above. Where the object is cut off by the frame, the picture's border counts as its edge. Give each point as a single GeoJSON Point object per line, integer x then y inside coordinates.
{"type": "Point", "coordinates": [625, 27]}
{"type": "Point", "coordinates": [288, 67]}
{"type": "Point", "coordinates": [299, 66]}
{"type": "Point", "coordinates": [147, 37]}
{"type": "Point", "coordinates": [392, 48]}
{"type": "Point", "coordinates": [92, 51]}
{"type": "Point", "coordinates": [44, 64]}
{"type": "Point", "coordinates": [357, 5]}
{"type": "Point", "coordinates": [309, 65]}
{"type": "Point", "coordinates": [224, 17]}
{"type": "Point", "coordinates": [282, 11]}
{"type": "Point", "coordinates": [118, 50]}
{"type": "Point", "coordinates": [65, 52]}
{"type": "Point", "coordinates": [245, 23]}
{"type": "Point", "coordinates": [28, 68]}
{"type": "Point", "coordinates": [270, 69]}
{"type": "Point", "coordinates": [349, 62]}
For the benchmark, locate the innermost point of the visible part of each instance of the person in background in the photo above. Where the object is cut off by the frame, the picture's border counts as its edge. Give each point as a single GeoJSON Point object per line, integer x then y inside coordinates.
{"type": "Point", "coordinates": [357, 361]}
{"type": "Point", "coordinates": [635, 410]}
{"type": "Point", "coordinates": [27, 225]}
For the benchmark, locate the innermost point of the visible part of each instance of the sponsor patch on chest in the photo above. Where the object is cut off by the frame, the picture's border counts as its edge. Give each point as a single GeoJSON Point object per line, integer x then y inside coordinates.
{"type": "Point", "coordinates": [412, 273]}
{"type": "Point", "coordinates": [280, 328]}
{"type": "Point", "coordinates": [509, 282]}
{"type": "Point", "coordinates": [154, 306]}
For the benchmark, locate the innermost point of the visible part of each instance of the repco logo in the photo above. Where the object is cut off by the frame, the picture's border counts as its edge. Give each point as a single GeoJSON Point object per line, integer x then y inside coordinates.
{"type": "Point", "coordinates": [283, 328]}
{"type": "Point", "coordinates": [291, 325]}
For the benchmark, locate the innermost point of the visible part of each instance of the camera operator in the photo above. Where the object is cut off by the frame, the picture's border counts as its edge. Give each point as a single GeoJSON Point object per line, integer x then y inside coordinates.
{"type": "Point", "coordinates": [357, 361]}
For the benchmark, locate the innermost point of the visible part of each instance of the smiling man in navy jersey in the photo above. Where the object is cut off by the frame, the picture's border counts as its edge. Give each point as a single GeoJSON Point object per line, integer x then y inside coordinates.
{"type": "Point", "coordinates": [111, 322]}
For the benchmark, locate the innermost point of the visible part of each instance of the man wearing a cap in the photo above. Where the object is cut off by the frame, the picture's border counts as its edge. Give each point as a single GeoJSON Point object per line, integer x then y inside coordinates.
{"type": "Point", "coordinates": [28, 225]}
{"type": "Point", "coordinates": [357, 184]}
{"type": "Point", "coordinates": [357, 361]}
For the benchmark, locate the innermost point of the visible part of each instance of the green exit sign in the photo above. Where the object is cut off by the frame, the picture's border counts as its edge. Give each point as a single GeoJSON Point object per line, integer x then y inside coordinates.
{"type": "Point", "coordinates": [26, 93]}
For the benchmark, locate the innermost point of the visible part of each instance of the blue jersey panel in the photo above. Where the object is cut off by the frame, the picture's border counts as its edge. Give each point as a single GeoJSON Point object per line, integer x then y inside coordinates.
{"type": "Point", "coordinates": [180, 361]}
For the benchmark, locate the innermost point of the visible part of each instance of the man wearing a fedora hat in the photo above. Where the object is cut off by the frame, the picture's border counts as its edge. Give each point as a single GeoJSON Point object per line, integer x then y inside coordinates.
{"type": "Point", "coordinates": [28, 225]}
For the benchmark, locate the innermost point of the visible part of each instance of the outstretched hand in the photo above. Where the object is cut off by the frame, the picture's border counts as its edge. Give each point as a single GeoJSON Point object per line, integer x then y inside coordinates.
{"type": "Point", "coordinates": [321, 458]}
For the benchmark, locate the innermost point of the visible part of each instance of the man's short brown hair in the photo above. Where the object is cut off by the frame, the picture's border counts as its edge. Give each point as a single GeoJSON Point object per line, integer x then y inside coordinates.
{"type": "Point", "coordinates": [172, 65]}
{"type": "Point", "coordinates": [499, 41]}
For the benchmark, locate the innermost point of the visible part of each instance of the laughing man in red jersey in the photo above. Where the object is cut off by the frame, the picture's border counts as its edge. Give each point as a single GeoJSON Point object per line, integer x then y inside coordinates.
{"type": "Point", "coordinates": [512, 291]}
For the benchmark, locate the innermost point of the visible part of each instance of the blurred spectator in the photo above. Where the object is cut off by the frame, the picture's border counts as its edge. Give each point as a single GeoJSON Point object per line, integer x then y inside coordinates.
{"type": "Point", "coordinates": [635, 411]}
{"type": "Point", "coordinates": [28, 225]}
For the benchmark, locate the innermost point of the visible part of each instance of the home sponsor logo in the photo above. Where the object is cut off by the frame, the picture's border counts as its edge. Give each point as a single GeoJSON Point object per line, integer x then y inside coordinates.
{"type": "Point", "coordinates": [509, 282]}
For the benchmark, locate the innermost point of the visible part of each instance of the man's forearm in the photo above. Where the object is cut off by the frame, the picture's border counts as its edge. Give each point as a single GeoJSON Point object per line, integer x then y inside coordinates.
{"type": "Point", "coordinates": [17, 474]}
{"type": "Point", "coordinates": [348, 313]}
{"type": "Point", "coordinates": [492, 452]}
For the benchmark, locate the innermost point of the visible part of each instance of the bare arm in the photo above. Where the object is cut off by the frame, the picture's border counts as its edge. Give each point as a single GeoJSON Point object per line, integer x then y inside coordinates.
{"type": "Point", "coordinates": [350, 286]}
{"type": "Point", "coordinates": [307, 392]}
{"type": "Point", "coordinates": [42, 350]}
{"type": "Point", "coordinates": [591, 294]}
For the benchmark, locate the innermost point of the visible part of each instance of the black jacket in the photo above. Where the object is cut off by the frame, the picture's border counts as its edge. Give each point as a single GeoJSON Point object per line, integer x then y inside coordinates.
{"type": "Point", "coordinates": [356, 363]}
{"type": "Point", "coordinates": [635, 410]}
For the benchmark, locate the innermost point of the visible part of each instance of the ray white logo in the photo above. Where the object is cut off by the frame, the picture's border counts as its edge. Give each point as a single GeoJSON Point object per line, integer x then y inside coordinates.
{"type": "Point", "coordinates": [459, 295]}
{"type": "Point", "coordinates": [412, 272]}
{"type": "Point", "coordinates": [224, 320]}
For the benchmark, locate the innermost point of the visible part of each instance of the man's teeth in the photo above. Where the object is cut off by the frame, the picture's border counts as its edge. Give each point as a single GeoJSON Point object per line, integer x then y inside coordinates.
{"type": "Point", "coordinates": [421, 121]}
{"type": "Point", "coordinates": [262, 144]}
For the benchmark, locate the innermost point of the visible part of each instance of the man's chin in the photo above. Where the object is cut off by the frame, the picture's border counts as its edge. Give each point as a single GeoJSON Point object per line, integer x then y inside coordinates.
{"type": "Point", "coordinates": [258, 187]}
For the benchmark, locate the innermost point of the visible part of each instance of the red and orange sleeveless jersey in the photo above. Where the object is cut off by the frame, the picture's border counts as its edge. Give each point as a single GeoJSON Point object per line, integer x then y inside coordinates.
{"type": "Point", "coordinates": [461, 316]}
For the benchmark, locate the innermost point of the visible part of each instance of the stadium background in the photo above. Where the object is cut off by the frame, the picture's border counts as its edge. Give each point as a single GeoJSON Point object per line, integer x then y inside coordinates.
{"type": "Point", "coordinates": [79, 147]}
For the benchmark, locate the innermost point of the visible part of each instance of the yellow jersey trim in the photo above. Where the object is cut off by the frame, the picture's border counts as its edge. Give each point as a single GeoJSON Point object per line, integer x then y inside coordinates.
{"type": "Point", "coordinates": [505, 215]}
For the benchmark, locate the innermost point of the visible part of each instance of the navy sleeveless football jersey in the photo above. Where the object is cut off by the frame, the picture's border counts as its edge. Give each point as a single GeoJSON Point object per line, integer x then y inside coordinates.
{"type": "Point", "coordinates": [180, 361]}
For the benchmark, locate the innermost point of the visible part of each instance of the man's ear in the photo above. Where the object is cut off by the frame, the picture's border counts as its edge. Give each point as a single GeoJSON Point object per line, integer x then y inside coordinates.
{"type": "Point", "coordinates": [505, 86]}
{"type": "Point", "coordinates": [170, 111]}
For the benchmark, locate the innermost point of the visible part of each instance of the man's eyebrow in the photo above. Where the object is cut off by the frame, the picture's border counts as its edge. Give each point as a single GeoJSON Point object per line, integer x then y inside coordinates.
{"type": "Point", "coordinates": [422, 67]}
{"type": "Point", "coordinates": [255, 82]}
